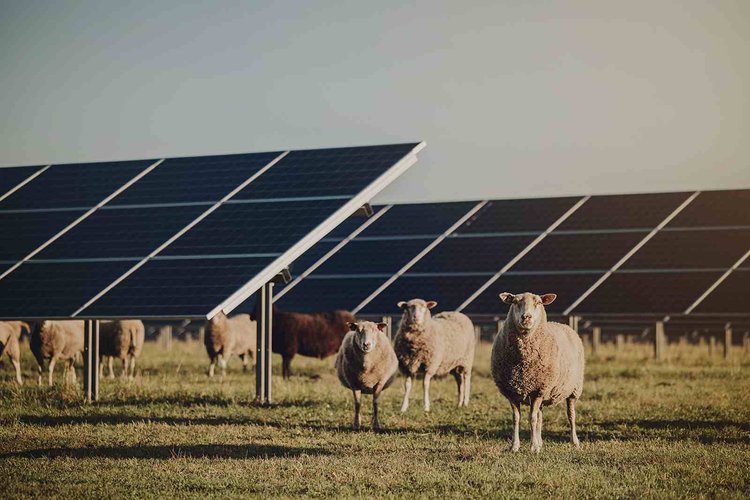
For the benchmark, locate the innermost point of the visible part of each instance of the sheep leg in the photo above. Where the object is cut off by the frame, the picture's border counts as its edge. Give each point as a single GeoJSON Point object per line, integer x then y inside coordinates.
{"type": "Point", "coordinates": [426, 384]}
{"type": "Point", "coordinates": [460, 383]}
{"type": "Point", "coordinates": [14, 353]}
{"type": "Point", "coordinates": [286, 367]}
{"type": "Point", "coordinates": [125, 368]}
{"type": "Point", "coordinates": [71, 368]}
{"type": "Point", "coordinates": [357, 406]}
{"type": "Point", "coordinates": [534, 423]}
{"type": "Point", "coordinates": [407, 391]}
{"type": "Point", "coordinates": [515, 443]}
{"type": "Point", "coordinates": [51, 369]}
{"type": "Point", "coordinates": [571, 411]}
{"type": "Point", "coordinates": [132, 366]}
{"type": "Point", "coordinates": [375, 398]}
{"type": "Point", "coordinates": [110, 365]}
{"type": "Point", "coordinates": [244, 359]}
{"type": "Point", "coordinates": [467, 387]}
{"type": "Point", "coordinates": [211, 367]}
{"type": "Point", "coordinates": [40, 370]}
{"type": "Point", "coordinates": [101, 366]}
{"type": "Point", "coordinates": [223, 365]}
{"type": "Point", "coordinates": [17, 367]}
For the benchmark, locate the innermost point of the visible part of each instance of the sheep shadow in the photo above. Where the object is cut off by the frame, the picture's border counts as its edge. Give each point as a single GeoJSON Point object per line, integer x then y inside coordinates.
{"type": "Point", "coordinates": [219, 401]}
{"type": "Point", "coordinates": [167, 452]}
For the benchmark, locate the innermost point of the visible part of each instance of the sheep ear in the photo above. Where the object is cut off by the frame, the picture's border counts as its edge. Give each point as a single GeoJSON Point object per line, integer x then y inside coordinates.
{"type": "Point", "coordinates": [382, 326]}
{"type": "Point", "coordinates": [430, 304]}
{"type": "Point", "coordinates": [507, 297]}
{"type": "Point", "coordinates": [548, 298]}
{"type": "Point", "coordinates": [352, 325]}
{"type": "Point", "coordinates": [401, 305]}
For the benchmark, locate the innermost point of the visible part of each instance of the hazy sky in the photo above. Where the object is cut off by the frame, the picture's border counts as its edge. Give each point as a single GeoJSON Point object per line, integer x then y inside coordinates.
{"type": "Point", "coordinates": [514, 98]}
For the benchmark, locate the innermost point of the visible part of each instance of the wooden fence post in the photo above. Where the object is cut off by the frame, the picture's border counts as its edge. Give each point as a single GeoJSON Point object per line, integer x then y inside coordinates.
{"type": "Point", "coordinates": [596, 339]}
{"type": "Point", "coordinates": [659, 341]}
{"type": "Point", "coordinates": [727, 341]}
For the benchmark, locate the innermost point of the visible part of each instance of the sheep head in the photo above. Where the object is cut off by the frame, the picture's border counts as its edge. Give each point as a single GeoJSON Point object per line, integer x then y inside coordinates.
{"type": "Point", "coordinates": [527, 312]}
{"type": "Point", "coordinates": [416, 311]}
{"type": "Point", "coordinates": [366, 334]}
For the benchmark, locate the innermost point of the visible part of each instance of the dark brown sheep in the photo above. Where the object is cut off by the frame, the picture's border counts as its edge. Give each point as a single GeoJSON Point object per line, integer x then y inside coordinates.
{"type": "Point", "coordinates": [317, 335]}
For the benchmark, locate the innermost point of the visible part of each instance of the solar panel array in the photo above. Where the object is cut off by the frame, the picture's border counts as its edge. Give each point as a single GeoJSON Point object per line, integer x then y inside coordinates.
{"type": "Point", "coordinates": [176, 237]}
{"type": "Point", "coordinates": [644, 254]}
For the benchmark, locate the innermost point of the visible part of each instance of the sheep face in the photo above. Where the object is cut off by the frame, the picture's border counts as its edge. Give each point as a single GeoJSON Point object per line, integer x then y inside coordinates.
{"type": "Point", "coordinates": [366, 334]}
{"type": "Point", "coordinates": [416, 311]}
{"type": "Point", "coordinates": [527, 309]}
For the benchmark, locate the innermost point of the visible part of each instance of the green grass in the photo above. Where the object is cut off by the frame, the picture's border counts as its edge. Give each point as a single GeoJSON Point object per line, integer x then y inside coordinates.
{"type": "Point", "coordinates": [675, 429]}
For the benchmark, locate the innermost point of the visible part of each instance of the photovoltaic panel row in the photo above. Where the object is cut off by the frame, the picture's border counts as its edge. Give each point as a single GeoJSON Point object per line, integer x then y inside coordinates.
{"type": "Point", "coordinates": [716, 208]}
{"type": "Point", "coordinates": [22, 232]}
{"type": "Point", "coordinates": [10, 177]}
{"type": "Point", "coordinates": [731, 296]}
{"type": "Point", "coordinates": [630, 211]}
{"type": "Point", "coordinates": [527, 215]}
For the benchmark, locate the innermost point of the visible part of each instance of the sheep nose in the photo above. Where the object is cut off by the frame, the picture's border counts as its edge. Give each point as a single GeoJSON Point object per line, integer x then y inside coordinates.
{"type": "Point", "coordinates": [526, 317]}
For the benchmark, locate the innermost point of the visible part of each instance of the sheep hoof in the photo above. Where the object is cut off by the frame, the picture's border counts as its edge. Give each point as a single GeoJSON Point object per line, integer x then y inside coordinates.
{"type": "Point", "coordinates": [535, 448]}
{"type": "Point", "coordinates": [576, 444]}
{"type": "Point", "coordinates": [513, 447]}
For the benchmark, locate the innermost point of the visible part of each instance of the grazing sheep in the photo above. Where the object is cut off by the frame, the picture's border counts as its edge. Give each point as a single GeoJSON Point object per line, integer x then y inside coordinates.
{"type": "Point", "coordinates": [227, 336]}
{"type": "Point", "coordinates": [317, 335]}
{"type": "Point", "coordinates": [57, 340]}
{"type": "Point", "coordinates": [437, 345]}
{"type": "Point", "coordinates": [366, 363]}
{"type": "Point", "coordinates": [10, 333]}
{"type": "Point", "coordinates": [538, 363]}
{"type": "Point", "coordinates": [122, 339]}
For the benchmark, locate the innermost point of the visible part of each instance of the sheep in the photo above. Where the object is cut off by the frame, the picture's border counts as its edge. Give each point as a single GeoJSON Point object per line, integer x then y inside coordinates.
{"type": "Point", "coordinates": [122, 339]}
{"type": "Point", "coordinates": [366, 362]}
{"type": "Point", "coordinates": [538, 363]}
{"type": "Point", "coordinates": [10, 333]}
{"type": "Point", "coordinates": [57, 340]}
{"type": "Point", "coordinates": [438, 345]}
{"type": "Point", "coordinates": [226, 336]}
{"type": "Point", "coordinates": [316, 335]}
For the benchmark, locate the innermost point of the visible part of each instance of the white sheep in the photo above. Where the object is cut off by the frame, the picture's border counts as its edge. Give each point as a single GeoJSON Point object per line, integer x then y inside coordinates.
{"type": "Point", "coordinates": [366, 363]}
{"type": "Point", "coordinates": [538, 363]}
{"type": "Point", "coordinates": [57, 340]}
{"type": "Point", "coordinates": [437, 345]}
{"type": "Point", "coordinates": [227, 336]}
{"type": "Point", "coordinates": [121, 339]}
{"type": "Point", "coordinates": [10, 333]}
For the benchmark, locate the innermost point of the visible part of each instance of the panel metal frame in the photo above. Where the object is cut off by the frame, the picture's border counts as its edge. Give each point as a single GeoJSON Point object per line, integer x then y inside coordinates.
{"type": "Point", "coordinates": [718, 282]}
{"type": "Point", "coordinates": [24, 182]}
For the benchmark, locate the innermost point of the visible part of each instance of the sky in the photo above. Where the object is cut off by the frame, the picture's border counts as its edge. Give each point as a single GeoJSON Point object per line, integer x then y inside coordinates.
{"type": "Point", "coordinates": [514, 99]}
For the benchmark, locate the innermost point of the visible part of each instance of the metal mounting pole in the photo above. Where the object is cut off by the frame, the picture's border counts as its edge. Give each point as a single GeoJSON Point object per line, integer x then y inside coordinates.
{"type": "Point", "coordinates": [388, 320]}
{"type": "Point", "coordinates": [91, 360]}
{"type": "Point", "coordinates": [264, 344]}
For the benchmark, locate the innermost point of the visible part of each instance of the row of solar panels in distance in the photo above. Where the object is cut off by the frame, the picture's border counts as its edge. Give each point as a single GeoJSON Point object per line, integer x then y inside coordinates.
{"type": "Point", "coordinates": [704, 240]}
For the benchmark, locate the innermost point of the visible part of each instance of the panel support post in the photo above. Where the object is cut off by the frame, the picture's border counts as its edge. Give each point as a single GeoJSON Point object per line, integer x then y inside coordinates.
{"type": "Point", "coordinates": [727, 341]}
{"type": "Point", "coordinates": [746, 343]}
{"type": "Point", "coordinates": [711, 345]}
{"type": "Point", "coordinates": [477, 334]}
{"type": "Point", "coordinates": [573, 322]}
{"type": "Point", "coordinates": [264, 344]}
{"type": "Point", "coordinates": [91, 360]}
{"type": "Point", "coordinates": [659, 341]}
{"type": "Point", "coordinates": [619, 343]}
{"type": "Point", "coordinates": [596, 339]}
{"type": "Point", "coordinates": [388, 320]}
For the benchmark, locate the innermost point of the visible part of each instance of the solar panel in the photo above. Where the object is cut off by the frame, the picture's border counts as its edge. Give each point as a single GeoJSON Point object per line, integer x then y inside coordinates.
{"type": "Point", "coordinates": [484, 254]}
{"type": "Point", "coordinates": [568, 288]}
{"type": "Point", "coordinates": [200, 179]}
{"type": "Point", "coordinates": [691, 249]}
{"type": "Point", "coordinates": [217, 243]}
{"type": "Point", "coordinates": [325, 172]}
{"type": "Point", "coordinates": [22, 232]}
{"type": "Point", "coordinates": [731, 296]}
{"type": "Point", "coordinates": [647, 292]}
{"type": "Point", "coordinates": [559, 252]}
{"type": "Point", "coordinates": [629, 211]}
{"type": "Point", "coordinates": [373, 256]}
{"type": "Point", "coordinates": [716, 208]}
{"type": "Point", "coordinates": [418, 219]}
{"type": "Point", "coordinates": [324, 294]}
{"type": "Point", "coordinates": [502, 216]}
{"type": "Point", "coordinates": [81, 185]}
{"type": "Point", "coordinates": [447, 291]}
{"type": "Point", "coordinates": [347, 227]}
{"type": "Point", "coordinates": [10, 177]}
{"type": "Point", "coordinates": [122, 232]}
{"type": "Point", "coordinates": [176, 288]}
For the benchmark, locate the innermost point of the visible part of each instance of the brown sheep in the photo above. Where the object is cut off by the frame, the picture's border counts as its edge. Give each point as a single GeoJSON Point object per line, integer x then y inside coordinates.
{"type": "Point", "coordinates": [10, 333]}
{"type": "Point", "coordinates": [366, 363]}
{"type": "Point", "coordinates": [538, 363]}
{"type": "Point", "coordinates": [227, 336]}
{"type": "Point", "coordinates": [121, 339]}
{"type": "Point", "coordinates": [57, 340]}
{"type": "Point", "coordinates": [317, 335]}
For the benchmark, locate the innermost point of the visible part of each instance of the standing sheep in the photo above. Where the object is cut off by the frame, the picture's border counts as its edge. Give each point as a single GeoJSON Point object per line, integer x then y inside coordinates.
{"type": "Point", "coordinates": [10, 333]}
{"type": "Point", "coordinates": [57, 340]}
{"type": "Point", "coordinates": [538, 363]}
{"type": "Point", "coordinates": [122, 339]}
{"type": "Point", "coordinates": [366, 363]}
{"type": "Point", "coordinates": [317, 335]}
{"type": "Point", "coordinates": [438, 345]}
{"type": "Point", "coordinates": [227, 336]}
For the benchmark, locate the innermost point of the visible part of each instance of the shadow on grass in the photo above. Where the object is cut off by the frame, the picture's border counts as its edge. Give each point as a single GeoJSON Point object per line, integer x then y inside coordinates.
{"type": "Point", "coordinates": [185, 400]}
{"type": "Point", "coordinates": [169, 452]}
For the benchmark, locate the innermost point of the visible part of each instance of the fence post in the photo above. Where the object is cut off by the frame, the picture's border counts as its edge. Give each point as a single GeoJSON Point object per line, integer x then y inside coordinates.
{"type": "Point", "coordinates": [659, 341]}
{"type": "Point", "coordinates": [619, 343]}
{"type": "Point", "coordinates": [746, 342]}
{"type": "Point", "coordinates": [202, 335]}
{"type": "Point", "coordinates": [711, 345]}
{"type": "Point", "coordinates": [477, 334]}
{"type": "Point", "coordinates": [596, 339]}
{"type": "Point", "coordinates": [727, 341]}
{"type": "Point", "coordinates": [389, 326]}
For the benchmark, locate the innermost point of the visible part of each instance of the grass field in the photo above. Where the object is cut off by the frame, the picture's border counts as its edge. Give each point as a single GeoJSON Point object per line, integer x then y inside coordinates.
{"type": "Point", "coordinates": [675, 429]}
